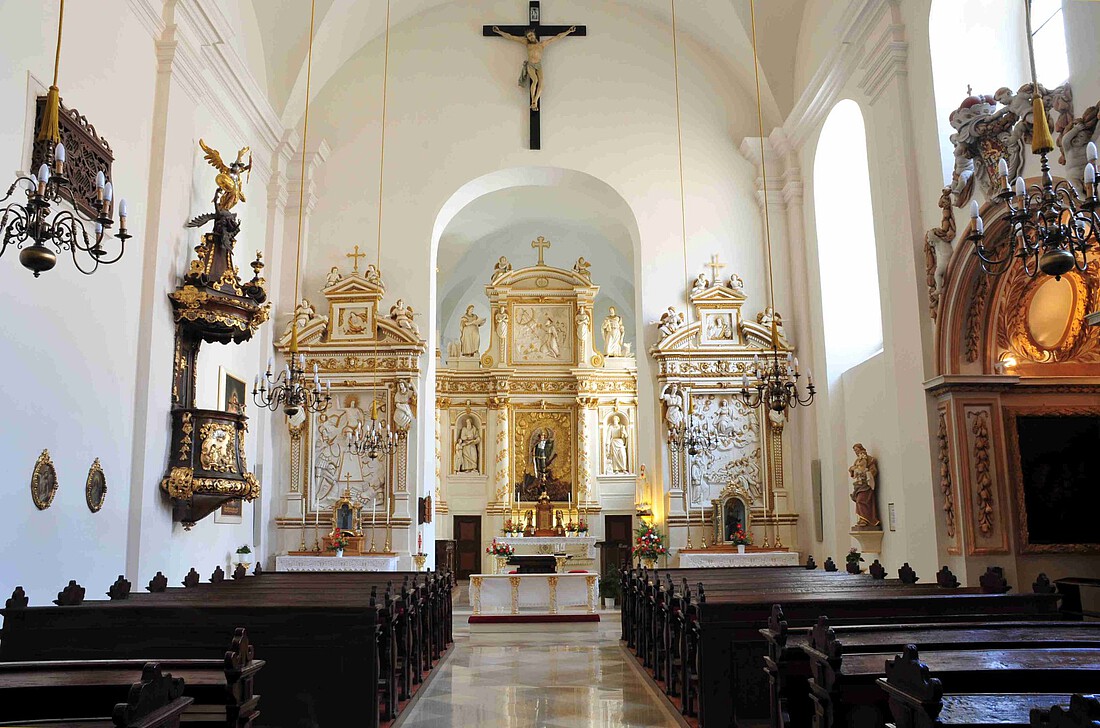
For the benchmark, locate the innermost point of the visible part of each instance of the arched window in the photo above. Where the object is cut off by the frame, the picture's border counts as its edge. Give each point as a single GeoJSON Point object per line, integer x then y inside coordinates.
{"type": "Point", "coordinates": [846, 241]}
{"type": "Point", "coordinates": [1048, 33]}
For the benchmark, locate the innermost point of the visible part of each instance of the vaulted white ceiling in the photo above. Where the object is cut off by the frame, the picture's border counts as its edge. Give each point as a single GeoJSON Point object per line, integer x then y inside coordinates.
{"type": "Point", "coordinates": [343, 27]}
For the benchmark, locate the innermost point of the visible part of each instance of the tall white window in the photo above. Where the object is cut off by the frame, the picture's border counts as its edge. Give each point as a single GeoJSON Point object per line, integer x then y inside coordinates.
{"type": "Point", "coordinates": [1048, 33]}
{"type": "Point", "coordinates": [846, 241]}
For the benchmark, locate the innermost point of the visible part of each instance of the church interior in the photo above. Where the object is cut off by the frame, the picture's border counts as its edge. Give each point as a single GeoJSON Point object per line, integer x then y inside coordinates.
{"type": "Point", "coordinates": [787, 311]}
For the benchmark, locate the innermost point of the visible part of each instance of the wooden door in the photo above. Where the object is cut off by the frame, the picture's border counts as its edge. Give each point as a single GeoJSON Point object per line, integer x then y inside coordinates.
{"type": "Point", "coordinates": [467, 531]}
{"type": "Point", "coordinates": [618, 538]}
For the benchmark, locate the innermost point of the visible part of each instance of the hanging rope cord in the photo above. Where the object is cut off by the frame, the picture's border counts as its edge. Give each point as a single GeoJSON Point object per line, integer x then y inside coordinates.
{"type": "Point", "coordinates": [680, 148]}
{"type": "Point", "coordinates": [49, 127]}
{"type": "Point", "coordinates": [763, 173]}
{"type": "Point", "coordinates": [302, 186]}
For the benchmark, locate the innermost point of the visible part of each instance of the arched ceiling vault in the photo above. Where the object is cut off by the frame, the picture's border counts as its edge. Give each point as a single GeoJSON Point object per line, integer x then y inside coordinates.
{"type": "Point", "coordinates": [344, 27]}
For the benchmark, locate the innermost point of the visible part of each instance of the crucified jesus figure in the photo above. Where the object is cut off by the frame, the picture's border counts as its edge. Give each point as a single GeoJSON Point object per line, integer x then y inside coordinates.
{"type": "Point", "coordinates": [531, 73]}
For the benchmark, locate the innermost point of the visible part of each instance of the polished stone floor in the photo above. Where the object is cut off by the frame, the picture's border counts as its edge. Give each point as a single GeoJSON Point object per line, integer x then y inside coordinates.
{"type": "Point", "coordinates": [539, 680]}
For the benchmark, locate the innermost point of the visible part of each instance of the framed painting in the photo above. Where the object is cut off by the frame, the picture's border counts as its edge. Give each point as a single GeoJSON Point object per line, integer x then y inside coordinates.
{"type": "Point", "coordinates": [232, 392]}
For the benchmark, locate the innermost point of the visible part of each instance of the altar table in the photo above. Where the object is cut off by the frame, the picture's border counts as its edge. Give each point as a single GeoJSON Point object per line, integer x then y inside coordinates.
{"type": "Point", "coordinates": [580, 547]}
{"type": "Point", "coordinates": [719, 559]}
{"type": "Point", "coordinates": [510, 592]}
{"type": "Point", "coordinates": [374, 562]}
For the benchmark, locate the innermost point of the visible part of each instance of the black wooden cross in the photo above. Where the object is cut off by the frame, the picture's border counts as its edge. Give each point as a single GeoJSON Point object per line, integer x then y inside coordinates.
{"type": "Point", "coordinates": [534, 16]}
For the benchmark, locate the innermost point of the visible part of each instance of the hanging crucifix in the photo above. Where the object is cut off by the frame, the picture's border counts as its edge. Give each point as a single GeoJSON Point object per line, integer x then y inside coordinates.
{"type": "Point", "coordinates": [531, 36]}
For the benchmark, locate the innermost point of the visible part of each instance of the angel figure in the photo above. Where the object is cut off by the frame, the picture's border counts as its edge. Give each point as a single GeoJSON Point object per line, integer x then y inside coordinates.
{"type": "Point", "coordinates": [502, 266]}
{"type": "Point", "coordinates": [230, 190]}
{"type": "Point", "coordinates": [402, 406]}
{"type": "Point", "coordinates": [674, 406]}
{"type": "Point", "coordinates": [670, 322]}
{"type": "Point", "coordinates": [699, 285]}
{"type": "Point", "coordinates": [583, 268]}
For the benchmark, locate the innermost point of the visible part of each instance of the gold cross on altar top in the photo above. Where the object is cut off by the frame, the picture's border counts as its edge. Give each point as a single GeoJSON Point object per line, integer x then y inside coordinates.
{"type": "Point", "coordinates": [541, 244]}
{"type": "Point", "coordinates": [355, 258]}
{"type": "Point", "coordinates": [715, 266]}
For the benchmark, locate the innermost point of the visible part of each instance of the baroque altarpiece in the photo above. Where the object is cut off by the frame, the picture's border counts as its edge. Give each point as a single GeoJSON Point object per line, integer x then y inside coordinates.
{"type": "Point", "coordinates": [539, 405]}
{"type": "Point", "coordinates": [700, 370]}
{"type": "Point", "coordinates": [371, 360]}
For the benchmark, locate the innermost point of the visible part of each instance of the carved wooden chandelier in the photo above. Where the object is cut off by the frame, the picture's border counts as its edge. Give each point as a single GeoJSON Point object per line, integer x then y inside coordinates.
{"type": "Point", "coordinates": [50, 233]}
{"type": "Point", "coordinates": [1052, 226]}
{"type": "Point", "coordinates": [777, 374]}
{"type": "Point", "coordinates": [292, 390]}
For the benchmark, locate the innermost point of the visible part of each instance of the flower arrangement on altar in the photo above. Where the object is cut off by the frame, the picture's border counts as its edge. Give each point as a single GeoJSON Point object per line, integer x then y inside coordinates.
{"type": "Point", "coordinates": [511, 527]}
{"type": "Point", "coordinates": [337, 541]}
{"type": "Point", "coordinates": [582, 527]}
{"type": "Point", "coordinates": [740, 538]}
{"type": "Point", "coordinates": [648, 543]}
{"type": "Point", "coordinates": [500, 549]}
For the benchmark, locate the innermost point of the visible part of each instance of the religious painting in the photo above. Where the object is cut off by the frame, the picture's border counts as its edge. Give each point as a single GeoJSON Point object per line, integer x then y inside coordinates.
{"type": "Point", "coordinates": [231, 511]}
{"type": "Point", "coordinates": [232, 392]}
{"type": "Point", "coordinates": [736, 459]}
{"type": "Point", "coordinates": [1057, 495]}
{"type": "Point", "coordinates": [543, 443]}
{"type": "Point", "coordinates": [43, 481]}
{"type": "Point", "coordinates": [469, 438]}
{"type": "Point", "coordinates": [95, 487]}
{"type": "Point", "coordinates": [334, 468]}
{"type": "Point", "coordinates": [354, 321]}
{"type": "Point", "coordinates": [542, 333]}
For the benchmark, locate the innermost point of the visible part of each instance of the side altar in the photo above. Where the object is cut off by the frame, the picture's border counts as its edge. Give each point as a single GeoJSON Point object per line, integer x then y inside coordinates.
{"type": "Point", "coordinates": [536, 422]}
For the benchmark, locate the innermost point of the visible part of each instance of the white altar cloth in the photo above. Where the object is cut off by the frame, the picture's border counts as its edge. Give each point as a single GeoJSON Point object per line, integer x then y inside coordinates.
{"type": "Point", "coordinates": [286, 562]}
{"type": "Point", "coordinates": [569, 544]}
{"type": "Point", "coordinates": [510, 592]}
{"type": "Point", "coordinates": [732, 558]}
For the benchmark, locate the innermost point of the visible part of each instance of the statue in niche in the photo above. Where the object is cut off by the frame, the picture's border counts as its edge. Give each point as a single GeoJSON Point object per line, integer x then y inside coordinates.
{"type": "Point", "coordinates": [700, 284]}
{"type": "Point", "coordinates": [402, 406]}
{"type": "Point", "coordinates": [674, 406]}
{"type": "Point", "coordinates": [334, 277]}
{"type": "Point", "coordinates": [583, 268]}
{"type": "Point", "coordinates": [542, 454]}
{"type": "Point", "coordinates": [670, 322]}
{"type": "Point", "coordinates": [470, 342]}
{"type": "Point", "coordinates": [618, 443]}
{"type": "Point", "coordinates": [613, 333]}
{"type": "Point", "coordinates": [468, 447]}
{"type": "Point", "coordinates": [502, 267]}
{"type": "Point", "coordinates": [583, 320]}
{"type": "Point", "coordinates": [403, 314]}
{"type": "Point", "coordinates": [734, 517]}
{"type": "Point", "coordinates": [864, 472]}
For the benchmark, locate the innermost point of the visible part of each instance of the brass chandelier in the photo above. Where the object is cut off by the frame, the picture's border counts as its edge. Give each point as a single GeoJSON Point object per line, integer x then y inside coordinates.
{"type": "Point", "coordinates": [49, 233]}
{"type": "Point", "coordinates": [292, 389]}
{"type": "Point", "coordinates": [1052, 226]}
{"type": "Point", "coordinates": [776, 373]}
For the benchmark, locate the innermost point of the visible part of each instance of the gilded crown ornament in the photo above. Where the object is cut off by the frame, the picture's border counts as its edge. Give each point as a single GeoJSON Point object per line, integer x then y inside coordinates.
{"type": "Point", "coordinates": [34, 220]}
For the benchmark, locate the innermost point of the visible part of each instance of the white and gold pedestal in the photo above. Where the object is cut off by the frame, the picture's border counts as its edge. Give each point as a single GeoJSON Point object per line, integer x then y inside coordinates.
{"type": "Point", "coordinates": [372, 562]}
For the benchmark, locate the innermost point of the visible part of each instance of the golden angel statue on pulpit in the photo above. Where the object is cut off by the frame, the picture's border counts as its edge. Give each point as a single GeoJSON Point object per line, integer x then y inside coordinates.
{"type": "Point", "coordinates": [230, 189]}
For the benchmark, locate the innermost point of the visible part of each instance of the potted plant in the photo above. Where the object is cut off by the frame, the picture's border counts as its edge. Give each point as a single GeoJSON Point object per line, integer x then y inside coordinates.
{"type": "Point", "coordinates": [649, 545]}
{"type": "Point", "coordinates": [500, 551]}
{"type": "Point", "coordinates": [853, 558]}
{"type": "Point", "coordinates": [242, 556]}
{"type": "Point", "coordinates": [338, 542]}
{"type": "Point", "coordinates": [610, 587]}
{"type": "Point", "coordinates": [741, 539]}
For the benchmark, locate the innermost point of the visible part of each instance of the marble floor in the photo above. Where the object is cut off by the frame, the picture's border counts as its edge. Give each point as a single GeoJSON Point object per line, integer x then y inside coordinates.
{"type": "Point", "coordinates": [541, 681]}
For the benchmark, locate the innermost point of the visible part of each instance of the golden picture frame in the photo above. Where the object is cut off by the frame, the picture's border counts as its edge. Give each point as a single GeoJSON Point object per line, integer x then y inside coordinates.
{"type": "Point", "coordinates": [95, 487]}
{"type": "Point", "coordinates": [43, 481]}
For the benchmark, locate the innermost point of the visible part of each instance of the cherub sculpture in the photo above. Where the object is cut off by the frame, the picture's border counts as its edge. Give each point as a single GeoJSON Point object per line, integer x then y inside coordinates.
{"type": "Point", "coordinates": [230, 190]}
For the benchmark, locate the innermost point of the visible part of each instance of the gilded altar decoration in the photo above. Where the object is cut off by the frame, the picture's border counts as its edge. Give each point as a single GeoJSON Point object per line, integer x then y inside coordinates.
{"type": "Point", "coordinates": [538, 407]}
{"type": "Point", "coordinates": [218, 447]}
{"type": "Point", "coordinates": [43, 481]}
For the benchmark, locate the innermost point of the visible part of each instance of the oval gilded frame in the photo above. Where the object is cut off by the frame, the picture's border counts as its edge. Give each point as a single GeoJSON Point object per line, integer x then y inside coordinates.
{"type": "Point", "coordinates": [43, 481]}
{"type": "Point", "coordinates": [95, 487]}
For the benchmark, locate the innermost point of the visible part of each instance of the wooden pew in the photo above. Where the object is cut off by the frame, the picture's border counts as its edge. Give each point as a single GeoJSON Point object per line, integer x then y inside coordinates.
{"type": "Point", "coordinates": [849, 700]}
{"type": "Point", "coordinates": [222, 689]}
{"type": "Point", "coordinates": [724, 652]}
{"type": "Point", "coordinates": [156, 700]}
{"type": "Point", "coordinates": [1083, 712]}
{"type": "Point", "coordinates": [916, 699]}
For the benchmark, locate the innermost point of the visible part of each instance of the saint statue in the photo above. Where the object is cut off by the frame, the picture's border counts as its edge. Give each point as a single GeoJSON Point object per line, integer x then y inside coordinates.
{"type": "Point", "coordinates": [863, 472]}
{"type": "Point", "coordinates": [617, 443]}
{"type": "Point", "coordinates": [542, 454]}
{"type": "Point", "coordinates": [723, 419]}
{"type": "Point", "coordinates": [468, 447]}
{"type": "Point", "coordinates": [550, 338]}
{"type": "Point", "coordinates": [674, 406]}
{"type": "Point", "coordinates": [531, 73]}
{"type": "Point", "coordinates": [613, 333]}
{"type": "Point", "coordinates": [402, 406]}
{"type": "Point", "coordinates": [583, 320]}
{"type": "Point", "coordinates": [471, 335]}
